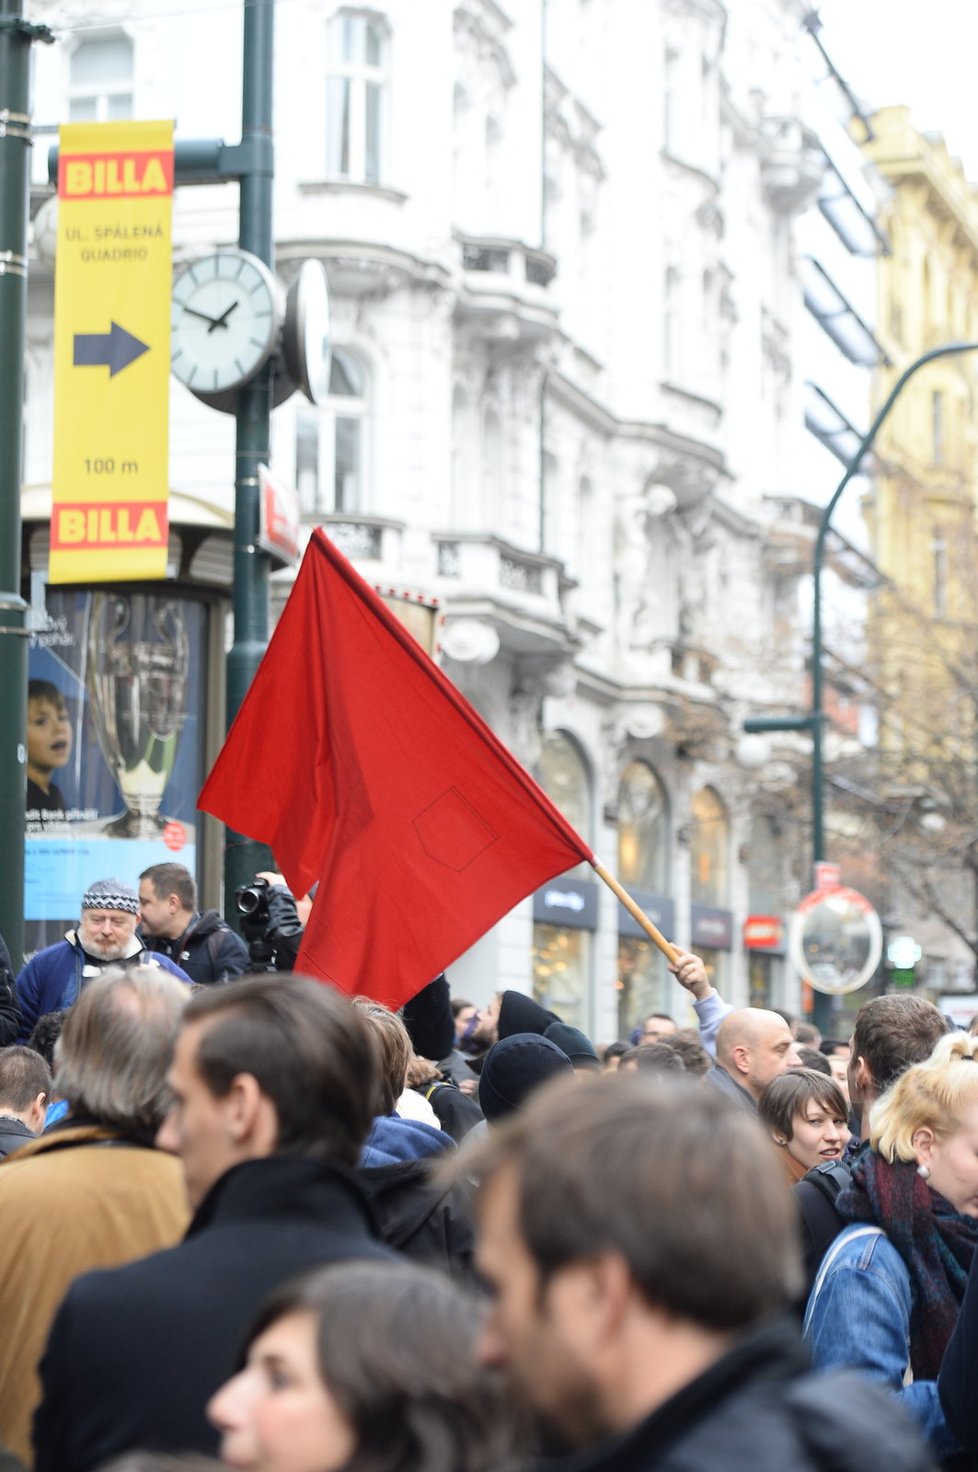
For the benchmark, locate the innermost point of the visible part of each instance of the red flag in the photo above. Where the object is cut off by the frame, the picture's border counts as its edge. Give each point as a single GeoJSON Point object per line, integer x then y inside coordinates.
{"type": "Point", "coordinates": [363, 767]}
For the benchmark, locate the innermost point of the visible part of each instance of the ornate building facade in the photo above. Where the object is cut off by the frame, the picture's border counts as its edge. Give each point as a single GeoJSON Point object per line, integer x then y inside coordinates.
{"type": "Point", "coordinates": [562, 241]}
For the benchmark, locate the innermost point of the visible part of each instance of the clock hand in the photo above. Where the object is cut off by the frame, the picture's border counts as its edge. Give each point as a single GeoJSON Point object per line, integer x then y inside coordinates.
{"type": "Point", "coordinates": [222, 320]}
{"type": "Point", "coordinates": [192, 312]}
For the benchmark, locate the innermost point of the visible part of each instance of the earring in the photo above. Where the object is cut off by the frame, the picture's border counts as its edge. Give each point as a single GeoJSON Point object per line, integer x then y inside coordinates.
{"type": "Point", "coordinates": [924, 1172]}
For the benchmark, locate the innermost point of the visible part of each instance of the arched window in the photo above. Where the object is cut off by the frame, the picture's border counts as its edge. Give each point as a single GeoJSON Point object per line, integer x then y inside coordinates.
{"type": "Point", "coordinates": [100, 80]}
{"type": "Point", "coordinates": [709, 849]}
{"type": "Point", "coordinates": [357, 97]}
{"type": "Point", "coordinates": [562, 953]}
{"type": "Point", "coordinates": [643, 828]}
{"type": "Point", "coordinates": [331, 442]}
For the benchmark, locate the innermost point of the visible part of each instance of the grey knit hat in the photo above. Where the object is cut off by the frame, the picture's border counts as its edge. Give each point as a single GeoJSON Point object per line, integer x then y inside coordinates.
{"type": "Point", "coordinates": [110, 894]}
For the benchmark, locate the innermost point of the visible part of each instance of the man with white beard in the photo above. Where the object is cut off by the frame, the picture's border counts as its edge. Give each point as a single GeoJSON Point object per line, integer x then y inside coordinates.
{"type": "Point", "coordinates": [106, 935]}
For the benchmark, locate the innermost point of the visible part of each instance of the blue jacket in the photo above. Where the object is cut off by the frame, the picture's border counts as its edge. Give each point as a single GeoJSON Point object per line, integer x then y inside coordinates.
{"type": "Point", "coordinates": [393, 1139]}
{"type": "Point", "coordinates": [858, 1315]}
{"type": "Point", "coordinates": [55, 976]}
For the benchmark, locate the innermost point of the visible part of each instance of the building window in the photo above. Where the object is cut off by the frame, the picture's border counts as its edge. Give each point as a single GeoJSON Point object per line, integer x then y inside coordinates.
{"type": "Point", "coordinates": [937, 425]}
{"type": "Point", "coordinates": [100, 80]}
{"type": "Point", "coordinates": [643, 829]}
{"type": "Point", "coordinates": [330, 445]}
{"type": "Point", "coordinates": [709, 849]}
{"type": "Point", "coordinates": [670, 324]}
{"type": "Point", "coordinates": [561, 962]}
{"type": "Point", "coordinates": [938, 548]}
{"type": "Point", "coordinates": [356, 97]}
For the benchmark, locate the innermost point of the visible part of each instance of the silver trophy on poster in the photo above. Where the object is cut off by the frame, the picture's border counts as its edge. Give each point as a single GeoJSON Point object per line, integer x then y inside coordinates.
{"type": "Point", "coordinates": [137, 667]}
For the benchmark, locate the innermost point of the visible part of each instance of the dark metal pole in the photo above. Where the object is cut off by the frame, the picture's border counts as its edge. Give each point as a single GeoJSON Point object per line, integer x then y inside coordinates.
{"type": "Point", "coordinates": [243, 857]}
{"type": "Point", "coordinates": [16, 36]}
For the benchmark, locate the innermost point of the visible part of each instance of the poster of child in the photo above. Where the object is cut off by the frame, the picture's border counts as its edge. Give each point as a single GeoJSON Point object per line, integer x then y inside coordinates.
{"type": "Point", "coordinates": [49, 743]}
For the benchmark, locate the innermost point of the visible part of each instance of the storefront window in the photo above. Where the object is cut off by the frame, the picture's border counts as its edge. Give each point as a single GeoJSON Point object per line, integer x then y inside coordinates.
{"type": "Point", "coordinates": [643, 983]}
{"type": "Point", "coordinates": [560, 972]}
{"type": "Point", "coordinates": [561, 954]}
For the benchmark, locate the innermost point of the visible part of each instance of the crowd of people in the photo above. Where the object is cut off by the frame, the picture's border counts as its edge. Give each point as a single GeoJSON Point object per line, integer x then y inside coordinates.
{"type": "Point", "coordinates": [251, 1223]}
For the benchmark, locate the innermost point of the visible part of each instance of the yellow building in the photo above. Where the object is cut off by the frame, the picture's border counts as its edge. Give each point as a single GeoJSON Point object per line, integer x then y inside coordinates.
{"type": "Point", "coordinates": [922, 508]}
{"type": "Point", "coordinates": [923, 631]}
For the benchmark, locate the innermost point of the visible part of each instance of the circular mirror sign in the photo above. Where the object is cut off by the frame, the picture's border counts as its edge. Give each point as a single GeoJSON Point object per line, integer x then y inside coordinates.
{"type": "Point", "coordinates": [835, 939]}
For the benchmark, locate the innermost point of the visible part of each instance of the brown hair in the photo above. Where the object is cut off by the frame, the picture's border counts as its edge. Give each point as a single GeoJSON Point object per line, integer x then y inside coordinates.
{"type": "Point", "coordinates": [23, 1075]}
{"type": "Point", "coordinates": [396, 1344]}
{"type": "Point", "coordinates": [696, 1060]}
{"type": "Point", "coordinates": [664, 1174]}
{"type": "Point", "coordinates": [307, 1048]}
{"type": "Point", "coordinates": [893, 1032]}
{"type": "Point", "coordinates": [789, 1094]}
{"type": "Point", "coordinates": [168, 879]}
{"type": "Point", "coordinates": [113, 1053]}
{"type": "Point", "coordinates": [394, 1049]}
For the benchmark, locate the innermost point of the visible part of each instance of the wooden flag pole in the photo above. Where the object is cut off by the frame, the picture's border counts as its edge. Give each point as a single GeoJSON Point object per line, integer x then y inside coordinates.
{"type": "Point", "coordinates": [635, 911]}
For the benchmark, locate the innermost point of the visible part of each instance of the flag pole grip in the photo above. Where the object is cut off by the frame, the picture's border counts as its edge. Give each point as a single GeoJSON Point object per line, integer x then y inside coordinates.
{"type": "Point", "coordinates": [636, 912]}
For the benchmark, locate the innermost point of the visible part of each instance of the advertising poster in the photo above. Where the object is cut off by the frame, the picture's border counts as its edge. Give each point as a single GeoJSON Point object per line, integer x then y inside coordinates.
{"type": "Point", "coordinates": [115, 746]}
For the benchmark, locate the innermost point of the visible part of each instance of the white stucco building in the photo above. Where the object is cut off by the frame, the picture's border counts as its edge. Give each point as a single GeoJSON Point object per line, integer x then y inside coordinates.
{"type": "Point", "coordinates": [564, 252]}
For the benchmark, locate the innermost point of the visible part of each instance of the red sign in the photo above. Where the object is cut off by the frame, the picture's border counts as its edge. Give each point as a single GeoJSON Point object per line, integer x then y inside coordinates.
{"type": "Point", "coordinates": [278, 531]}
{"type": "Point", "coordinates": [762, 932]}
{"type": "Point", "coordinates": [115, 175]}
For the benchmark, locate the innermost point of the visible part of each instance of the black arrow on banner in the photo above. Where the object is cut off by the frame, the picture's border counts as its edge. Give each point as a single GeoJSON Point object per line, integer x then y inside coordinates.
{"type": "Point", "coordinates": [114, 349]}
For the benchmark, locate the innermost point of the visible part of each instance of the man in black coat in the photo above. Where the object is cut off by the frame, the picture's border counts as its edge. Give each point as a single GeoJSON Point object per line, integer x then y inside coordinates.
{"type": "Point", "coordinates": [202, 944]}
{"type": "Point", "coordinates": [274, 1087]}
{"type": "Point", "coordinates": [641, 1249]}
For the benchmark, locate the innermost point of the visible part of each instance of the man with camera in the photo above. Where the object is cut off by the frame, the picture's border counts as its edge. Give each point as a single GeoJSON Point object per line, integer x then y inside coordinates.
{"type": "Point", "coordinates": [273, 921]}
{"type": "Point", "coordinates": [204, 945]}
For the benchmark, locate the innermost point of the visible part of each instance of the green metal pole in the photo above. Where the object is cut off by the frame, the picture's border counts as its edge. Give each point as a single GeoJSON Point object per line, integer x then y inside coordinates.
{"type": "Point", "coordinates": [16, 36]}
{"type": "Point", "coordinates": [817, 715]}
{"type": "Point", "coordinates": [244, 857]}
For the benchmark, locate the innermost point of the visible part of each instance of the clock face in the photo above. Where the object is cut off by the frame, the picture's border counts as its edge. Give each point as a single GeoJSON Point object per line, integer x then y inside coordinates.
{"type": "Point", "coordinates": [224, 322]}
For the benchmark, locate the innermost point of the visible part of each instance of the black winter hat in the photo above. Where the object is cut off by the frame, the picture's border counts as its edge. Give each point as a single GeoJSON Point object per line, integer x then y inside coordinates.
{"type": "Point", "coordinates": [513, 1068]}
{"type": "Point", "coordinates": [578, 1047]}
{"type": "Point", "coordinates": [519, 1013]}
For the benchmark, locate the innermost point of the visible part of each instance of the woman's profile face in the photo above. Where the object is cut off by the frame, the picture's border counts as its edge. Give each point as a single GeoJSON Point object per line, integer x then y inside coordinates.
{"type": "Point", "coordinates": [953, 1162]}
{"type": "Point", "coordinates": [277, 1415]}
{"type": "Point", "coordinates": [818, 1134]}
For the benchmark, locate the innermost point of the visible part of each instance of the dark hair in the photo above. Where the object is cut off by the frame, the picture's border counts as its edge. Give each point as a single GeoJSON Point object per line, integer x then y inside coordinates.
{"type": "Point", "coordinates": [612, 1050]}
{"type": "Point", "coordinates": [23, 1075]}
{"type": "Point", "coordinates": [459, 1004]}
{"type": "Point", "coordinates": [828, 1046]}
{"type": "Point", "coordinates": [44, 690]}
{"type": "Point", "coordinates": [813, 1059]}
{"type": "Point", "coordinates": [308, 1050]}
{"type": "Point", "coordinates": [893, 1032]}
{"type": "Point", "coordinates": [168, 879]}
{"type": "Point", "coordinates": [654, 1058]}
{"type": "Point", "coordinates": [396, 1345]}
{"type": "Point", "coordinates": [664, 1174]}
{"type": "Point", "coordinates": [806, 1033]}
{"type": "Point", "coordinates": [696, 1060]}
{"type": "Point", "coordinates": [789, 1093]}
{"type": "Point", "coordinates": [46, 1032]}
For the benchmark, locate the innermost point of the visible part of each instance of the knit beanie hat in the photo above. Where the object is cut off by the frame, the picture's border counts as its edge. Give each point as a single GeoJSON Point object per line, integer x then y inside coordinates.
{"type": "Point", "coordinates": [578, 1047]}
{"type": "Point", "coordinates": [110, 894]}
{"type": "Point", "coordinates": [519, 1013]}
{"type": "Point", "coordinates": [513, 1068]}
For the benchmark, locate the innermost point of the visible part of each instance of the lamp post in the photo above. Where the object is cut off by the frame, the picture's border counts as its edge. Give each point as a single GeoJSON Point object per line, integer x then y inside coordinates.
{"type": "Point", "coordinates": [814, 720]}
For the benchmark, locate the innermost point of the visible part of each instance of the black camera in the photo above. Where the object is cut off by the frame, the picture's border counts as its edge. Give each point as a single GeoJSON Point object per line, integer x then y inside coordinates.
{"type": "Point", "coordinates": [252, 901]}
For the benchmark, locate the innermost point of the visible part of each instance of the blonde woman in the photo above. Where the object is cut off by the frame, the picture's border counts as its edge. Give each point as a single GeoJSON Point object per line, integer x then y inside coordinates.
{"type": "Point", "coordinates": [888, 1293]}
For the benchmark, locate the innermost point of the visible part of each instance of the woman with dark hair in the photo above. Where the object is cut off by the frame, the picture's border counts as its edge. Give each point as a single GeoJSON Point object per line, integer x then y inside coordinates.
{"type": "Point", "coordinates": [805, 1114]}
{"type": "Point", "coordinates": [888, 1292]}
{"type": "Point", "coordinates": [368, 1367]}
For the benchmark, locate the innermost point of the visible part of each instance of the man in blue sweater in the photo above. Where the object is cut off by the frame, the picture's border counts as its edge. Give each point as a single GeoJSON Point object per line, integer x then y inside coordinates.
{"type": "Point", "coordinates": [106, 936]}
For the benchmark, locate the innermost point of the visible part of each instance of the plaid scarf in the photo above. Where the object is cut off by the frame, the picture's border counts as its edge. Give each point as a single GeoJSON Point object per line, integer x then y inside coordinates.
{"type": "Point", "coordinates": [935, 1242]}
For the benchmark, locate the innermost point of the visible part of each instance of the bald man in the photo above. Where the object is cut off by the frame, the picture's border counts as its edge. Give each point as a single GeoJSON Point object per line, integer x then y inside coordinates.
{"type": "Point", "coordinates": [753, 1046]}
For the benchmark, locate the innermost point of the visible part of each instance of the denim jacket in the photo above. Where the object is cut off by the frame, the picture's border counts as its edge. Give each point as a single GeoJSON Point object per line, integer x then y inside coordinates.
{"type": "Point", "coordinates": [859, 1315]}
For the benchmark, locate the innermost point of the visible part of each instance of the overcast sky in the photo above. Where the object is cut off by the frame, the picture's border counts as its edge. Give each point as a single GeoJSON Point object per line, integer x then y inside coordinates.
{"type": "Point", "coordinates": [920, 52]}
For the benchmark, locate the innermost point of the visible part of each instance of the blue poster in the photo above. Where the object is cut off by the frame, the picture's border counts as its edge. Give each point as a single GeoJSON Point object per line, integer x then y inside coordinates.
{"type": "Point", "coordinates": [115, 745]}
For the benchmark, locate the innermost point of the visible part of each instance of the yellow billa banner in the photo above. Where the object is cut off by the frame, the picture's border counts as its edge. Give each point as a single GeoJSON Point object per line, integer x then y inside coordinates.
{"type": "Point", "coordinates": [112, 352]}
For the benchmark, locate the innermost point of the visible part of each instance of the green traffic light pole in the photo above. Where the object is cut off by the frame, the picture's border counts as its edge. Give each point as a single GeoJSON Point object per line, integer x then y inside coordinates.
{"type": "Point", "coordinates": [243, 857]}
{"type": "Point", "coordinates": [16, 37]}
{"type": "Point", "coordinates": [815, 720]}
